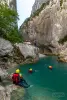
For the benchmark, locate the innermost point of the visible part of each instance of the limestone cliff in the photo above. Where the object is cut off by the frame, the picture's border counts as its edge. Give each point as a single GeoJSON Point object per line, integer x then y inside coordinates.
{"type": "Point", "coordinates": [38, 4]}
{"type": "Point", "coordinates": [48, 28]}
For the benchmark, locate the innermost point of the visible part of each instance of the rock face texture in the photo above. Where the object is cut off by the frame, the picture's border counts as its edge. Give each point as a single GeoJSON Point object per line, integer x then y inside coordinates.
{"type": "Point", "coordinates": [28, 50]}
{"type": "Point", "coordinates": [11, 92]}
{"type": "Point", "coordinates": [5, 47]}
{"type": "Point", "coordinates": [13, 4]}
{"type": "Point", "coordinates": [48, 27]}
{"type": "Point", "coordinates": [38, 4]}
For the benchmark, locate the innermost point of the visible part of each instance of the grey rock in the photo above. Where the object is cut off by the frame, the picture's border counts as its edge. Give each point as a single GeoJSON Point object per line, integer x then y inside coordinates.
{"type": "Point", "coordinates": [5, 92]}
{"type": "Point", "coordinates": [49, 27]}
{"type": "Point", "coordinates": [3, 73]}
{"type": "Point", "coordinates": [5, 47]}
{"type": "Point", "coordinates": [28, 50]}
{"type": "Point", "coordinates": [38, 4]}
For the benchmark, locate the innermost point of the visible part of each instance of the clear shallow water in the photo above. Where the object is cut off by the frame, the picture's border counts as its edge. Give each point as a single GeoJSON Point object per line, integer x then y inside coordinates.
{"type": "Point", "coordinates": [46, 84]}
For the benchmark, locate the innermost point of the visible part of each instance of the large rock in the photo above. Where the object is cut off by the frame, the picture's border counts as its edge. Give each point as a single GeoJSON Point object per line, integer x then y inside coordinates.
{"type": "Point", "coordinates": [11, 92]}
{"type": "Point", "coordinates": [5, 47]}
{"type": "Point", "coordinates": [28, 50]}
{"type": "Point", "coordinates": [3, 73]}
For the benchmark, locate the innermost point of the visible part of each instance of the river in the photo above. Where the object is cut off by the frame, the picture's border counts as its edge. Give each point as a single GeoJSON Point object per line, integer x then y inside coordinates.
{"type": "Point", "coordinates": [46, 84]}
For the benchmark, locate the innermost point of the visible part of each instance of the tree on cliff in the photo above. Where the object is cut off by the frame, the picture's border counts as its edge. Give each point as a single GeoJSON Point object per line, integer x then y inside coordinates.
{"type": "Point", "coordinates": [8, 23]}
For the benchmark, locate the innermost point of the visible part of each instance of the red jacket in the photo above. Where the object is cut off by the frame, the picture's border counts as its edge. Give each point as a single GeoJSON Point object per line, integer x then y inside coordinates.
{"type": "Point", "coordinates": [15, 78]}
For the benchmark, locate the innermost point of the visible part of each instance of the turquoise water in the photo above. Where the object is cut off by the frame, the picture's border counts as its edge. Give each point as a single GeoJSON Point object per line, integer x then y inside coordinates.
{"type": "Point", "coordinates": [46, 84]}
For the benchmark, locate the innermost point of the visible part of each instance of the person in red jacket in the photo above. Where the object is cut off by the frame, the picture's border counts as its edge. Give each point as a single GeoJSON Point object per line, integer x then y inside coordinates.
{"type": "Point", "coordinates": [16, 77]}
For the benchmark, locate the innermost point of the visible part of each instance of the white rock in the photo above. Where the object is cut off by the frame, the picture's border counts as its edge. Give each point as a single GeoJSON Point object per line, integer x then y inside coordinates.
{"type": "Point", "coordinates": [28, 50]}
{"type": "Point", "coordinates": [41, 55]}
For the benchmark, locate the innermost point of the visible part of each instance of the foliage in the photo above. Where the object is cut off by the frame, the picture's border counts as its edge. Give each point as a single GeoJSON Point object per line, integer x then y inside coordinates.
{"type": "Point", "coordinates": [26, 21]}
{"type": "Point", "coordinates": [63, 40]}
{"type": "Point", "coordinates": [61, 2]}
{"type": "Point", "coordinates": [8, 23]}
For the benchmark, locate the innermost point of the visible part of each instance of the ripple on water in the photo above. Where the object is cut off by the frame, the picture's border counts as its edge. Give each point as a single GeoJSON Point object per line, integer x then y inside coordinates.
{"type": "Point", "coordinates": [46, 84]}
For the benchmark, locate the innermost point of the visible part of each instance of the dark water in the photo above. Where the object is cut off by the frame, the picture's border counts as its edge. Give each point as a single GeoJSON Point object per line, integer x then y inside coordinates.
{"type": "Point", "coordinates": [46, 84]}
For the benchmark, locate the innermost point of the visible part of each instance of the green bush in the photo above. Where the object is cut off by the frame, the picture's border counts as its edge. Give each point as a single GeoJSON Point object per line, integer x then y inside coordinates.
{"type": "Point", "coordinates": [26, 21]}
{"type": "Point", "coordinates": [14, 36]}
{"type": "Point", "coordinates": [61, 2]}
{"type": "Point", "coordinates": [63, 40]}
{"type": "Point", "coordinates": [8, 23]}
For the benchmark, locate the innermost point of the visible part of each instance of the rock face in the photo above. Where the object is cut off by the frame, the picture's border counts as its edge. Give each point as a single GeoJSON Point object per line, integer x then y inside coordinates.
{"type": "Point", "coordinates": [11, 3]}
{"type": "Point", "coordinates": [28, 50]}
{"type": "Point", "coordinates": [11, 92]}
{"type": "Point", "coordinates": [5, 47]}
{"type": "Point", "coordinates": [9, 55]}
{"type": "Point", "coordinates": [63, 53]}
{"type": "Point", "coordinates": [38, 4]}
{"type": "Point", "coordinates": [3, 73]}
{"type": "Point", "coordinates": [48, 27]}
{"type": "Point", "coordinates": [5, 92]}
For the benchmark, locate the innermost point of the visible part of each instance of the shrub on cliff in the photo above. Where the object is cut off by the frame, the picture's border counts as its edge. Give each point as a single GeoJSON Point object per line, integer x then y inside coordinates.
{"type": "Point", "coordinates": [8, 23]}
{"type": "Point", "coordinates": [64, 39]}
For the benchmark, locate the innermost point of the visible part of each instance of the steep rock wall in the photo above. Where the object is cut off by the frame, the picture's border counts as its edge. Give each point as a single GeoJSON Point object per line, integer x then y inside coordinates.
{"type": "Point", "coordinates": [48, 27]}
{"type": "Point", "coordinates": [37, 4]}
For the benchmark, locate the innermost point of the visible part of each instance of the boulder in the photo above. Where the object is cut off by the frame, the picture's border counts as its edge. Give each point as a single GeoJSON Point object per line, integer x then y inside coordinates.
{"type": "Point", "coordinates": [3, 74]}
{"type": "Point", "coordinates": [5, 47]}
{"type": "Point", "coordinates": [28, 50]}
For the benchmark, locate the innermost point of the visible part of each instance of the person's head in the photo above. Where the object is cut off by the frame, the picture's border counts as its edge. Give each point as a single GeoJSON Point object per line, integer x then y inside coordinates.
{"type": "Point", "coordinates": [17, 71]}
{"type": "Point", "coordinates": [30, 69]}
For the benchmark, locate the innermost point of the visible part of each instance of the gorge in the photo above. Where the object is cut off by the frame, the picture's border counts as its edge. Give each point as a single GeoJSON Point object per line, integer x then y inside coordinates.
{"type": "Point", "coordinates": [43, 33]}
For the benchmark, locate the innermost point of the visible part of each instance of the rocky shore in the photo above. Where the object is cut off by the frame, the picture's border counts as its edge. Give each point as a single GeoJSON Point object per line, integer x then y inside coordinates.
{"type": "Point", "coordinates": [12, 55]}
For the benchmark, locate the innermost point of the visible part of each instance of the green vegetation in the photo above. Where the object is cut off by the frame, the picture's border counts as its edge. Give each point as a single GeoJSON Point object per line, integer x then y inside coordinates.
{"type": "Point", "coordinates": [61, 2]}
{"type": "Point", "coordinates": [36, 13]}
{"type": "Point", "coordinates": [8, 24]}
{"type": "Point", "coordinates": [63, 40]}
{"type": "Point", "coordinates": [26, 21]}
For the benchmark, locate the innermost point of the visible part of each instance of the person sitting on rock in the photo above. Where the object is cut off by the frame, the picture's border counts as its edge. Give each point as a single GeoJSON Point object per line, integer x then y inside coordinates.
{"type": "Point", "coordinates": [16, 77]}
